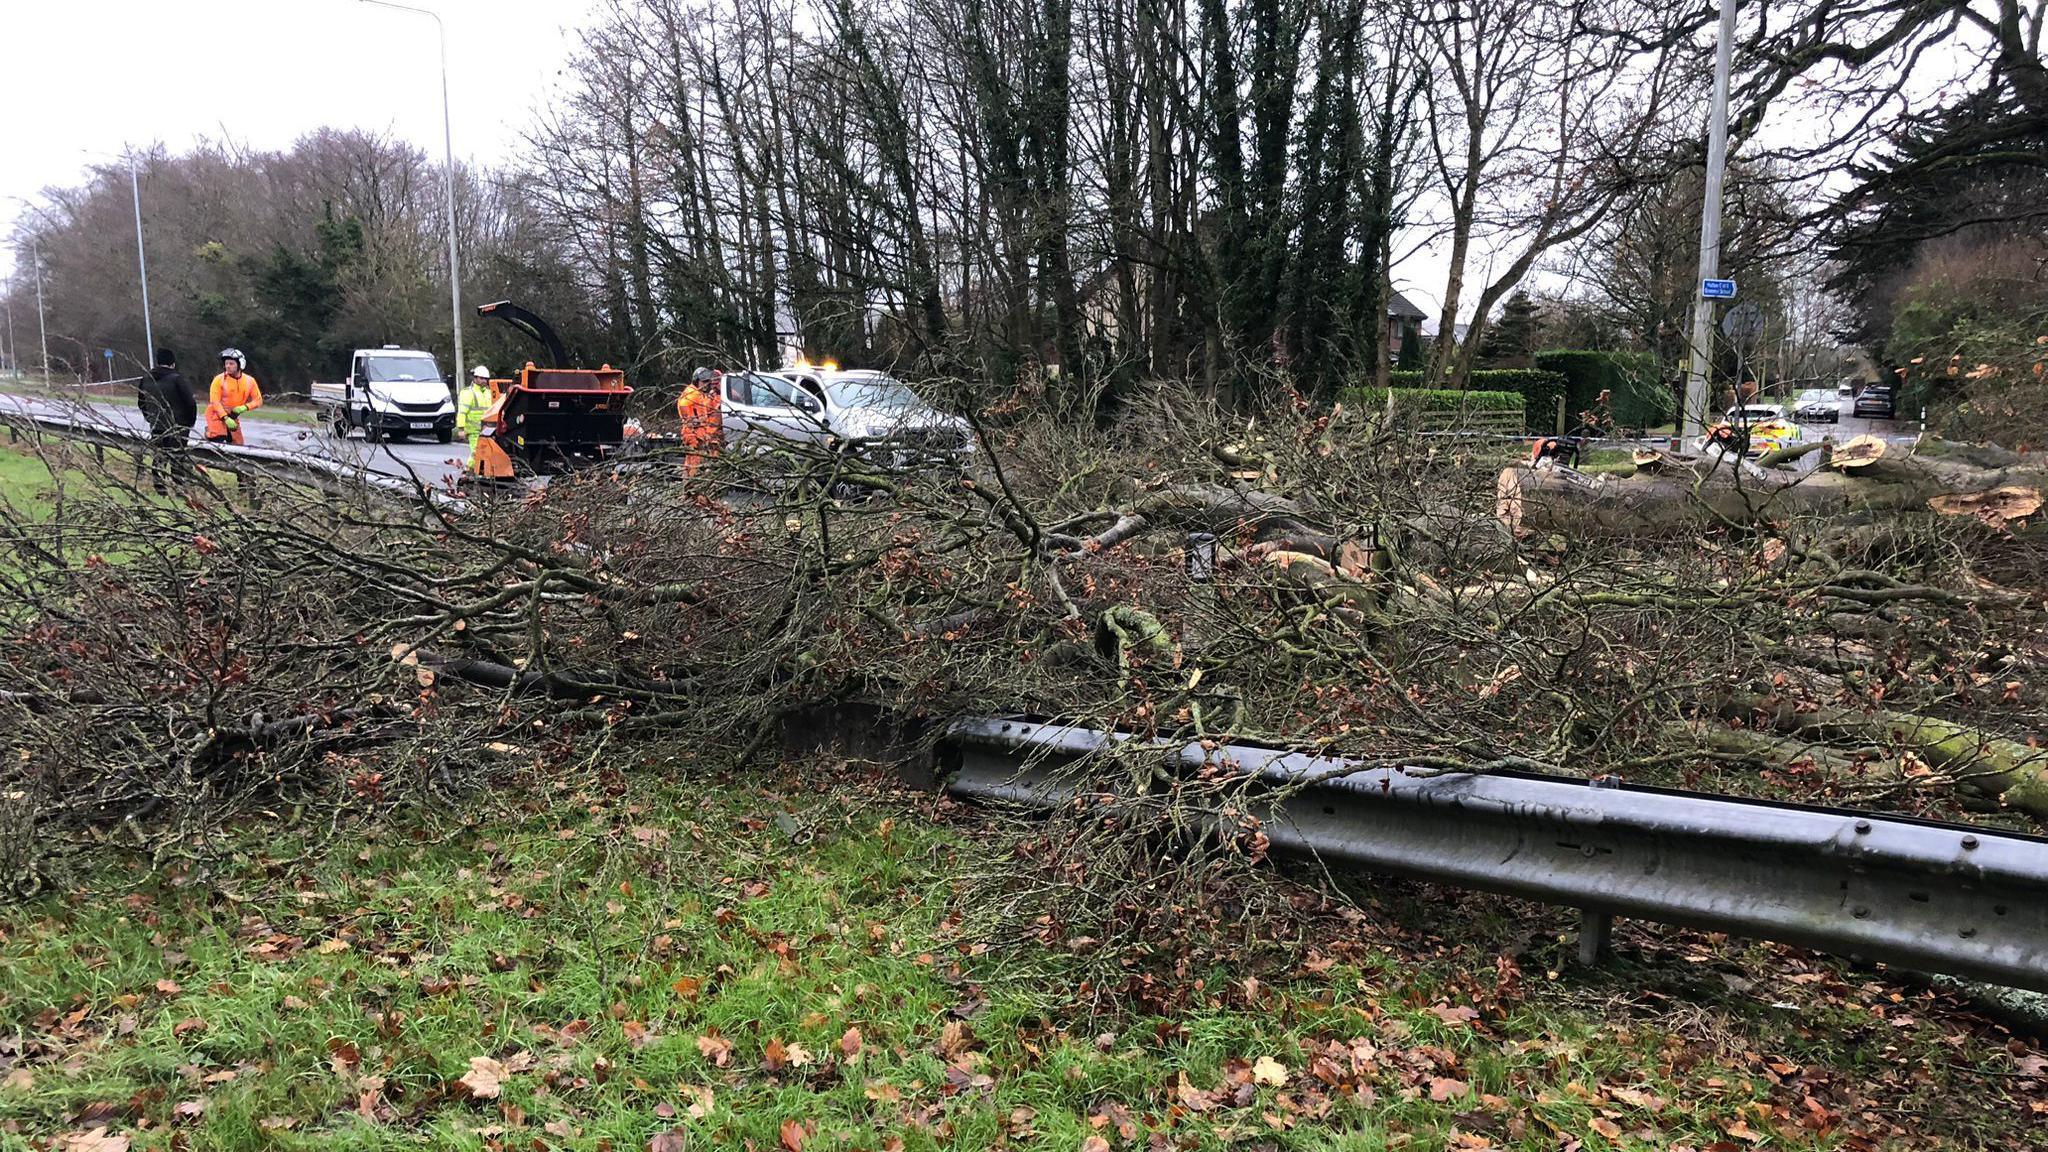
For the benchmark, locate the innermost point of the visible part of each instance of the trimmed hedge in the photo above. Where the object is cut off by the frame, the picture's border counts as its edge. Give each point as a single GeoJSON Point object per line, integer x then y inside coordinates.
{"type": "Point", "coordinates": [1639, 398]}
{"type": "Point", "coordinates": [1434, 400]}
{"type": "Point", "coordinates": [1538, 389]}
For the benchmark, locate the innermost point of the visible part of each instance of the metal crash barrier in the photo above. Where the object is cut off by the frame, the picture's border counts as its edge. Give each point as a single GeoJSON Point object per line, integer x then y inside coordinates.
{"type": "Point", "coordinates": [1934, 897]}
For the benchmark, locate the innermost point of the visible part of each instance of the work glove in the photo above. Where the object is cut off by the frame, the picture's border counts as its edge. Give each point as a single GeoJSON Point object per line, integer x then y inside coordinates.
{"type": "Point", "coordinates": [232, 423]}
{"type": "Point", "coordinates": [240, 408]}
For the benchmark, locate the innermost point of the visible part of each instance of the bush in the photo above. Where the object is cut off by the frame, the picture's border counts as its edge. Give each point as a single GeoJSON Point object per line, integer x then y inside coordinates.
{"type": "Point", "coordinates": [1438, 399]}
{"type": "Point", "coordinates": [1639, 398]}
{"type": "Point", "coordinates": [1538, 389]}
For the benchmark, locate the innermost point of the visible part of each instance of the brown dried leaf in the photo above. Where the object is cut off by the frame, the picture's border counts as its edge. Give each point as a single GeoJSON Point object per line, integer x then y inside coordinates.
{"type": "Point", "coordinates": [485, 1078]}
{"type": "Point", "coordinates": [715, 1048]}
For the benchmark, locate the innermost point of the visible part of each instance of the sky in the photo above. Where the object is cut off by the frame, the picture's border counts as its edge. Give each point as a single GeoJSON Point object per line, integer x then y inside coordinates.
{"type": "Point", "coordinates": [133, 73]}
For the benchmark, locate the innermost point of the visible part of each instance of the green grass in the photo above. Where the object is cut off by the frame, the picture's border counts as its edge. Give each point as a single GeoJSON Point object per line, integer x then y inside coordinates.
{"type": "Point", "coordinates": [605, 946]}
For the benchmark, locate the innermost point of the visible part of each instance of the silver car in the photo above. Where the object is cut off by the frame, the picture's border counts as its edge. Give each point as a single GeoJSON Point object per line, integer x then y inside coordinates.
{"type": "Point", "coordinates": [870, 412]}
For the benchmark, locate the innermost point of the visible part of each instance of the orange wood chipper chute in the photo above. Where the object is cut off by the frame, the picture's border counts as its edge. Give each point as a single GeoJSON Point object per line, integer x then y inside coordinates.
{"type": "Point", "coordinates": [549, 418]}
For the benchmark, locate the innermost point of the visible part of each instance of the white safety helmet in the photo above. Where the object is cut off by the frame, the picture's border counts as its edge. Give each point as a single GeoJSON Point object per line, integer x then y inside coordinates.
{"type": "Point", "coordinates": [480, 373]}
{"type": "Point", "coordinates": [235, 354]}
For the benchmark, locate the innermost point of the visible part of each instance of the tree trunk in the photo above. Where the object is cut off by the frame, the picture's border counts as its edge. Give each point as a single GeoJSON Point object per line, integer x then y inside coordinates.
{"type": "Point", "coordinates": [1687, 495]}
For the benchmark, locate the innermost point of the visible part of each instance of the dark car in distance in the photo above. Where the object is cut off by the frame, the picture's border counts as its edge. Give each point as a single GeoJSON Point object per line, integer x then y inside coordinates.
{"type": "Point", "coordinates": [1877, 401]}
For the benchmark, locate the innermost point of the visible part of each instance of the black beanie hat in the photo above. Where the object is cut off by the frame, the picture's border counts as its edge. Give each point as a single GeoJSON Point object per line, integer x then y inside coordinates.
{"type": "Point", "coordinates": [165, 357]}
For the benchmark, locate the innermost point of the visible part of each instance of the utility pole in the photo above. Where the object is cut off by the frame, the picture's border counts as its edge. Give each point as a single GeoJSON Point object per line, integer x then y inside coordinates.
{"type": "Point", "coordinates": [448, 157]}
{"type": "Point", "coordinates": [142, 267]}
{"type": "Point", "coordinates": [42, 329]}
{"type": "Point", "coordinates": [1696, 393]}
{"type": "Point", "coordinates": [13, 348]}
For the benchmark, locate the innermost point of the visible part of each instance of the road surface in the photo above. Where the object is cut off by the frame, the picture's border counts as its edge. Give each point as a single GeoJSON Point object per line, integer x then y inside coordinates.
{"type": "Point", "coordinates": [436, 465]}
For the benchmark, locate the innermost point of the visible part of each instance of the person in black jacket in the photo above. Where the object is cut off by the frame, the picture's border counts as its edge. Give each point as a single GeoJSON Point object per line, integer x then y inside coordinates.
{"type": "Point", "coordinates": [170, 408]}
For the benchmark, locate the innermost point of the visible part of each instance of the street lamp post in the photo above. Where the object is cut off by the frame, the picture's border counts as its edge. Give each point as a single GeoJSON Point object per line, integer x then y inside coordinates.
{"type": "Point", "coordinates": [42, 329]}
{"type": "Point", "coordinates": [448, 156]}
{"type": "Point", "coordinates": [142, 268]}
{"type": "Point", "coordinates": [1695, 414]}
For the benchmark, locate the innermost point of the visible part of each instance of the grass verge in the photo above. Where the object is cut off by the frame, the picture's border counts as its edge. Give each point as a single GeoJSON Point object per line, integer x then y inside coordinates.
{"type": "Point", "coordinates": [647, 963]}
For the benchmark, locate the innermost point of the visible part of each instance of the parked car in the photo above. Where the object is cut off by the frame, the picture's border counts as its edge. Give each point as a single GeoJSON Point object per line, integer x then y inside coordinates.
{"type": "Point", "coordinates": [875, 413]}
{"type": "Point", "coordinates": [759, 409]}
{"type": "Point", "coordinates": [1765, 425]}
{"type": "Point", "coordinates": [1820, 405]}
{"type": "Point", "coordinates": [1877, 401]}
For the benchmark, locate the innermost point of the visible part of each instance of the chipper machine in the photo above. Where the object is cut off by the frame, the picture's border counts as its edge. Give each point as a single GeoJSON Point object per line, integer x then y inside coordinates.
{"type": "Point", "coordinates": [553, 418]}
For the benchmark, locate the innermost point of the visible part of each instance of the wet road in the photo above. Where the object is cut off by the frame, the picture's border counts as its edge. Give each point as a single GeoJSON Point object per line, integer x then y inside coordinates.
{"type": "Point", "coordinates": [435, 465]}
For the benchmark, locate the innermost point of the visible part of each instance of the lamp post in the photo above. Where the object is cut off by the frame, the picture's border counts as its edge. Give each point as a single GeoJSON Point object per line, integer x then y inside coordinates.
{"type": "Point", "coordinates": [448, 156]}
{"type": "Point", "coordinates": [42, 330]}
{"type": "Point", "coordinates": [1695, 414]}
{"type": "Point", "coordinates": [141, 261]}
{"type": "Point", "coordinates": [142, 268]}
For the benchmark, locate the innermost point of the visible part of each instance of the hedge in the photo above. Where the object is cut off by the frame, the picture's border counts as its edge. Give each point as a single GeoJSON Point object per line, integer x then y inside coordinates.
{"type": "Point", "coordinates": [1434, 400]}
{"type": "Point", "coordinates": [1538, 389]}
{"type": "Point", "coordinates": [1638, 398]}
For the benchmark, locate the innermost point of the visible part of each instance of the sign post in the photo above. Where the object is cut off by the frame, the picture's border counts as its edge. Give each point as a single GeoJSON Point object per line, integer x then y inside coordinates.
{"type": "Point", "coordinates": [109, 354]}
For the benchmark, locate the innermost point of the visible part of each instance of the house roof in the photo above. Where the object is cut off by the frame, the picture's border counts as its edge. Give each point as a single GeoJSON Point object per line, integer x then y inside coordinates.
{"type": "Point", "coordinates": [1404, 308]}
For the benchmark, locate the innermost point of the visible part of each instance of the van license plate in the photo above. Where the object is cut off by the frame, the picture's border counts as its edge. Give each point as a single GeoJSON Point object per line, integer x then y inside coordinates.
{"type": "Point", "coordinates": [422, 425]}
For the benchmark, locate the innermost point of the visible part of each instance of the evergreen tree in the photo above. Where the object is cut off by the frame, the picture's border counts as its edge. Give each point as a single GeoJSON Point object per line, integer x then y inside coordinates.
{"type": "Point", "coordinates": [1511, 340]}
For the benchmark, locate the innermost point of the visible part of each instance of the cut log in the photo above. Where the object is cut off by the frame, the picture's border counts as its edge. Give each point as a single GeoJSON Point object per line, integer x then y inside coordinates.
{"type": "Point", "coordinates": [1686, 496]}
{"type": "Point", "coordinates": [1986, 768]}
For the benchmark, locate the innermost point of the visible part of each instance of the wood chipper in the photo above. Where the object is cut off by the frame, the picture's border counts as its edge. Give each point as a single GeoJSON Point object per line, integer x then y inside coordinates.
{"type": "Point", "coordinates": [551, 418]}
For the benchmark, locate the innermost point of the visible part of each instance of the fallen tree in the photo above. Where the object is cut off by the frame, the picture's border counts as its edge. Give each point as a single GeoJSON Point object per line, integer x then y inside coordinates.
{"type": "Point", "coordinates": [1669, 493]}
{"type": "Point", "coordinates": [1318, 584]}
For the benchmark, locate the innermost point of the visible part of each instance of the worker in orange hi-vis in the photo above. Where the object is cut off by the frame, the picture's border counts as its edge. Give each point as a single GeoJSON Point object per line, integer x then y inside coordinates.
{"type": "Point", "coordinates": [232, 394]}
{"type": "Point", "coordinates": [703, 430]}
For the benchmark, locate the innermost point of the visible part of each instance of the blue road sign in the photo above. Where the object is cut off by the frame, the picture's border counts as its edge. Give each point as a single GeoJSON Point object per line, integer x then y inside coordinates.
{"type": "Point", "coordinates": [1718, 289]}
{"type": "Point", "coordinates": [108, 353]}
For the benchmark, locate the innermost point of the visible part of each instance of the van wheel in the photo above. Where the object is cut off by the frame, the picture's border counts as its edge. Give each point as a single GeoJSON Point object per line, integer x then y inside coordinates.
{"type": "Point", "coordinates": [372, 433]}
{"type": "Point", "coordinates": [445, 435]}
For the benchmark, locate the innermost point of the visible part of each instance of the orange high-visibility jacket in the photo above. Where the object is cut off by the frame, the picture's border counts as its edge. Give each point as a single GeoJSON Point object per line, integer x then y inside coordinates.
{"type": "Point", "coordinates": [698, 410]}
{"type": "Point", "coordinates": [224, 395]}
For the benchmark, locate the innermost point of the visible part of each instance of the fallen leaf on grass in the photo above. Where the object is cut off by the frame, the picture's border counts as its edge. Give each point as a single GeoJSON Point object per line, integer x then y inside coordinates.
{"type": "Point", "coordinates": [19, 1079]}
{"type": "Point", "coordinates": [699, 1097]}
{"type": "Point", "coordinates": [190, 1109]}
{"type": "Point", "coordinates": [1454, 1013]}
{"type": "Point", "coordinates": [485, 1078]}
{"type": "Point", "coordinates": [793, 1136]}
{"type": "Point", "coordinates": [1094, 1144]}
{"type": "Point", "coordinates": [669, 1141]}
{"type": "Point", "coordinates": [882, 1092]}
{"type": "Point", "coordinates": [95, 1140]}
{"type": "Point", "coordinates": [188, 1024]}
{"type": "Point", "coordinates": [169, 987]}
{"type": "Point", "coordinates": [1742, 1131]}
{"type": "Point", "coordinates": [715, 1048]}
{"type": "Point", "coordinates": [1607, 1128]}
{"type": "Point", "coordinates": [849, 1044]}
{"type": "Point", "coordinates": [1268, 1071]}
{"type": "Point", "coordinates": [1442, 1088]}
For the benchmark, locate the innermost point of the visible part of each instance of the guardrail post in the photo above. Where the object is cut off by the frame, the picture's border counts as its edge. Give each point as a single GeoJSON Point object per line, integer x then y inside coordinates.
{"type": "Point", "coordinates": [1596, 929]}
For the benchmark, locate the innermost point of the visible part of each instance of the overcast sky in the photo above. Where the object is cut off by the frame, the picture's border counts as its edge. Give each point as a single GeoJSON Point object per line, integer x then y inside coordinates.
{"type": "Point", "coordinates": [96, 76]}
{"type": "Point", "coordinates": [103, 75]}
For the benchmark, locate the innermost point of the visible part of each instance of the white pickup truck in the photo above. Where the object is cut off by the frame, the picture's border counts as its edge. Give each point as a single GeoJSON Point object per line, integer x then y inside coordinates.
{"type": "Point", "coordinates": [390, 391]}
